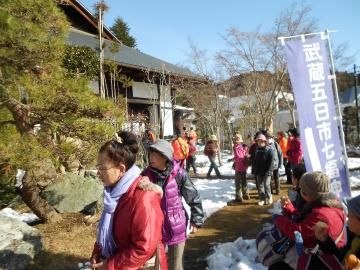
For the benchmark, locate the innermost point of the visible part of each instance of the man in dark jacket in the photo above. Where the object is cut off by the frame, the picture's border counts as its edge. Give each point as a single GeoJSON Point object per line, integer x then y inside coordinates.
{"type": "Point", "coordinates": [263, 169]}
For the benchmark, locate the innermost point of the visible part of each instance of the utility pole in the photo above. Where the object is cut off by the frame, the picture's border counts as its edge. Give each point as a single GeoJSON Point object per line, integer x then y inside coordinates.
{"type": "Point", "coordinates": [101, 6]}
{"type": "Point", "coordinates": [356, 100]}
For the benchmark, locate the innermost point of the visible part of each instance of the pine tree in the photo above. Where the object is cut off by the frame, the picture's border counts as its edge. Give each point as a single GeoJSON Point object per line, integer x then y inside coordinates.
{"type": "Point", "coordinates": [121, 31]}
{"type": "Point", "coordinates": [36, 91]}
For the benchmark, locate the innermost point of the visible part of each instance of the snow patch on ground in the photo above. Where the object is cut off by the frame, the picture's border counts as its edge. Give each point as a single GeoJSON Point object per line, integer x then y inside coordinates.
{"type": "Point", "coordinates": [238, 255]}
{"type": "Point", "coordinates": [354, 179]}
{"type": "Point", "coordinates": [353, 163]}
{"type": "Point", "coordinates": [24, 217]}
{"type": "Point", "coordinates": [202, 163]}
{"type": "Point", "coordinates": [215, 193]}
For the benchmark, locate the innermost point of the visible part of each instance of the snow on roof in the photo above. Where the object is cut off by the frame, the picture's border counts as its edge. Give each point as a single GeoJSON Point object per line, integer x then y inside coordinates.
{"type": "Point", "coordinates": [182, 108]}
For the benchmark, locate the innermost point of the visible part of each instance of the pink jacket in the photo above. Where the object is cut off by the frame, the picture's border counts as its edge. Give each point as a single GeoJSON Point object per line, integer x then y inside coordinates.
{"type": "Point", "coordinates": [240, 151]}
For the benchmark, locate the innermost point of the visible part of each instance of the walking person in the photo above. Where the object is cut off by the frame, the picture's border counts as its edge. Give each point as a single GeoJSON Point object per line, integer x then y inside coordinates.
{"type": "Point", "coordinates": [181, 149]}
{"type": "Point", "coordinates": [190, 161]}
{"type": "Point", "coordinates": [240, 165]}
{"type": "Point", "coordinates": [129, 232]}
{"type": "Point", "coordinates": [263, 169]}
{"type": "Point", "coordinates": [176, 184]}
{"type": "Point", "coordinates": [277, 160]}
{"type": "Point", "coordinates": [211, 151]}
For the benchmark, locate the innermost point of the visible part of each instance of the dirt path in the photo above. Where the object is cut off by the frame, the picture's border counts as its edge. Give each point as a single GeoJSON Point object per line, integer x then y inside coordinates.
{"type": "Point", "coordinates": [226, 225]}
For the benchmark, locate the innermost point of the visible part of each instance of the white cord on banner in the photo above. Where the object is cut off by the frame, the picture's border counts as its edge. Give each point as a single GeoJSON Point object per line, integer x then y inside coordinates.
{"type": "Point", "coordinates": [323, 34]}
{"type": "Point", "coordinates": [282, 40]}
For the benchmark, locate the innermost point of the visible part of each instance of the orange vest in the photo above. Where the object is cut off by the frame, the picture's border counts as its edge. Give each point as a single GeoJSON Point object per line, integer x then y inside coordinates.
{"type": "Point", "coordinates": [181, 149]}
{"type": "Point", "coordinates": [283, 142]}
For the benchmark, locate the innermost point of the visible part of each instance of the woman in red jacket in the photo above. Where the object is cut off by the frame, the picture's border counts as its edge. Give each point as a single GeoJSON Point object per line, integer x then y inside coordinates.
{"type": "Point", "coordinates": [294, 151]}
{"type": "Point", "coordinates": [129, 232]}
{"type": "Point", "coordinates": [321, 205]}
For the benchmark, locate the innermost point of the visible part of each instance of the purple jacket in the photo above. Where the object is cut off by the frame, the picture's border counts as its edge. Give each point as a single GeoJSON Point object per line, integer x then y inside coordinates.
{"type": "Point", "coordinates": [240, 151]}
{"type": "Point", "coordinates": [175, 218]}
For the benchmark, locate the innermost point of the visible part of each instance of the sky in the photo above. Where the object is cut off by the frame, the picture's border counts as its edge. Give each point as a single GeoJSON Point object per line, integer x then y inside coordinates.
{"type": "Point", "coordinates": [163, 28]}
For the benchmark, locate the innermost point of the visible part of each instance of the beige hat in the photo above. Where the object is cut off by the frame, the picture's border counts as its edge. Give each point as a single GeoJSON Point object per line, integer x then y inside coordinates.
{"type": "Point", "coordinates": [213, 137]}
{"type": "Point", "coordinates": [314, 184]}
{"type": "Point", "coordinates": [238, 137]}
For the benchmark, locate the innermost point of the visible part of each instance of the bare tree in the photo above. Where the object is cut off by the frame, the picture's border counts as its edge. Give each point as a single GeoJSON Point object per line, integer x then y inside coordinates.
{"type": "Point", "coordinates": [207, 96]}
{"type": "Point", "coordinates": [260, 57]}
{"type": "Point", "coordinates": [341, 57]}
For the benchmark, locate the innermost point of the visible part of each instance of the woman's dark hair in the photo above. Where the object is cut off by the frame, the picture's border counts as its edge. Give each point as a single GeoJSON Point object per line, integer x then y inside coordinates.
{"type": "Point", "coordinates": [298, 171]}
{"type": "Point", "coordinates": [295, 132]}
{"type": "Point", "coordinates": [122, 150]}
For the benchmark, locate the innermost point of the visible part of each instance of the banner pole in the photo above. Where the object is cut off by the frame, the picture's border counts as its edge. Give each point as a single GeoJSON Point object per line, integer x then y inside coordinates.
{"type": "Point", "coordinates": [307, 34]}
{"type": "Point", "coordinates": [338, 109]}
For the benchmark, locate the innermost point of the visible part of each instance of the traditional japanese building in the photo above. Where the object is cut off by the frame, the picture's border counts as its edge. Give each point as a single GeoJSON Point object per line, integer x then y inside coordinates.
{"type": "Point", "coordinates": [152, 91]}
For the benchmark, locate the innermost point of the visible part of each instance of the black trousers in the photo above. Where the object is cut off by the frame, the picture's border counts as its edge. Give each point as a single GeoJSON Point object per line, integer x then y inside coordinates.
{"type": "Point", "coordinates": [276, 180]}
{"type": "Point", "coordinates": [288, 171]}
{"type": "Point", "coordinates": [190, 162]}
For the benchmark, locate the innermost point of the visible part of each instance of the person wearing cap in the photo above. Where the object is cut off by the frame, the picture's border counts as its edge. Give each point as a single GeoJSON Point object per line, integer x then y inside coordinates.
{"type": "Point", "coordinates": [277, 159]}
{"type": "Point", "coordinates": [263, 169]}
{"type": "Point", "coordinates": [321, 206]}
{"type": "Point", "coordinates": [240, 166]}
{"type": "Point", "coordinates": [166, 172]}
{"type": "Point", "coordinates": [328, 245]}
{"type": "Point", "coordinates": [211, 150]}
{"type": "Point", "coordinates": [252, 150]}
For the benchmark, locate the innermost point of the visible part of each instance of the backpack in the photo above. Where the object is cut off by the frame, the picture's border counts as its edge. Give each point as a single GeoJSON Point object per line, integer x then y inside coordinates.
{"type": "Point", "coordinates": [181, 148]}
{"type": "Point", "coordinates": [329, 261]}
{"type": "Point", "coordinates": [271, 245]}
